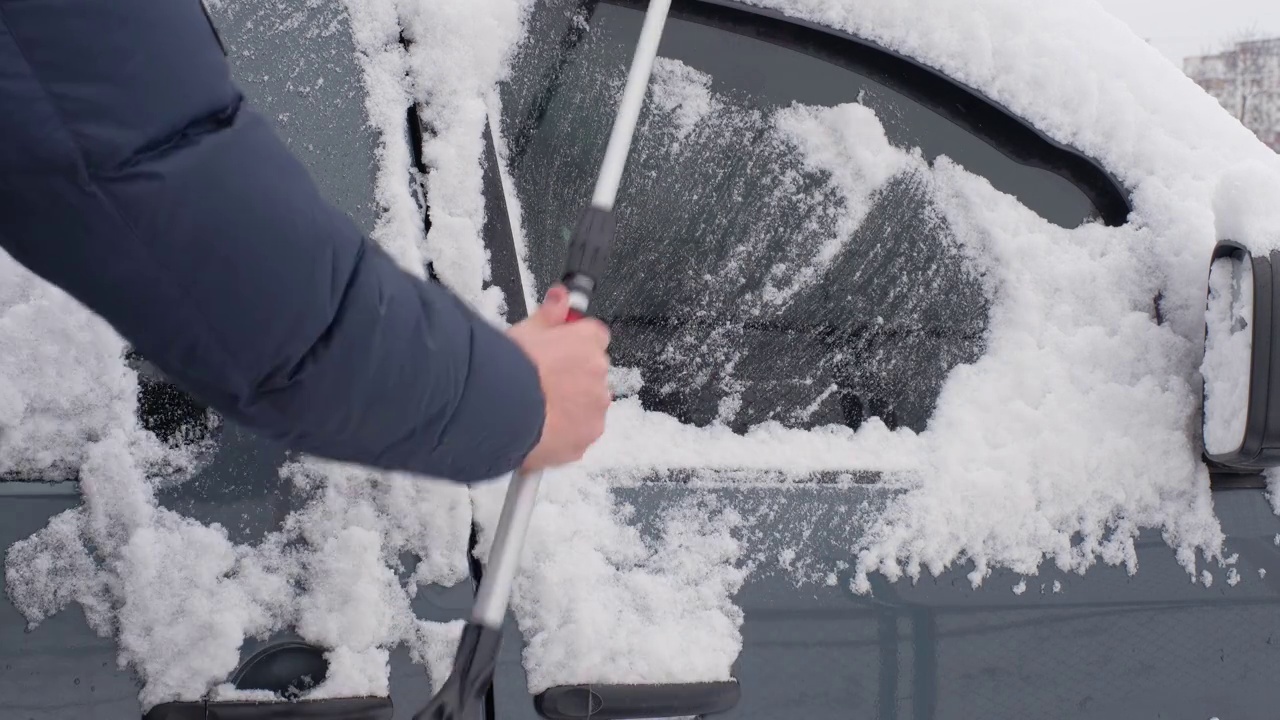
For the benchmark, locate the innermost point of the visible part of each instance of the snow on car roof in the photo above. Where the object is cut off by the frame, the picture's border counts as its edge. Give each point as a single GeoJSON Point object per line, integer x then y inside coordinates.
{"type": "Point", "coordinates": [1074, 431]}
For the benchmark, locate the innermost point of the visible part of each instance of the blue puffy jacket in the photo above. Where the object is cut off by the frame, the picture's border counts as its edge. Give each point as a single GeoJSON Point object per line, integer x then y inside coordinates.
{"type": "Point", "coordinates": [134, 176]}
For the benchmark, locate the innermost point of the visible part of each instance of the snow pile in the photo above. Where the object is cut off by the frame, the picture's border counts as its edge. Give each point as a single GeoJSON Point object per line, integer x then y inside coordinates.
{"type": "Point", "coordinates": [1245, 206]}
{"type": "Point", "coordinates": [1076, 422]}
{"type": "Point", "coordinates": [638, 443]}
{"type": "Point", "coordinates": [1227, 354]}
{"type": "Point", "coordinates": [1070, 433]}
{"type": "Point", "coordinates": [600, 603]}
{"type": "Point", "coordinates": [682, 91]}
{"type": "Point", "coordinates": [63, 380]}
{"type": "Point", "coordinates": [180, 597]}
{"type": "Point", "coordinates": [161, 583]}
{"type": "Point", "coordinates": [847, 144]}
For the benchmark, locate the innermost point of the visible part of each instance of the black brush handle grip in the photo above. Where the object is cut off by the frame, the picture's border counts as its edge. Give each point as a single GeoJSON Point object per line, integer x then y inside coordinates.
{"type": "Point", "coordinates": [588, 253]}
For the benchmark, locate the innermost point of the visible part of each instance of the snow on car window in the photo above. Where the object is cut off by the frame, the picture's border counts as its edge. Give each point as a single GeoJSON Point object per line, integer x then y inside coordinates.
{"type": "Point", "coordinates": [775, 262]}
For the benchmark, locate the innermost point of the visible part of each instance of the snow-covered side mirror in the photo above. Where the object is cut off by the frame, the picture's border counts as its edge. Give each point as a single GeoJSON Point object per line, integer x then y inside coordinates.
{"type": "Point", "coordinates": [1241, 383]}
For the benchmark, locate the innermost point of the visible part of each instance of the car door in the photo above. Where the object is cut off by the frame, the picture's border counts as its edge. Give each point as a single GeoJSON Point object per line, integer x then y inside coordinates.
{"type": "Point", "coordinates": [731, 308]}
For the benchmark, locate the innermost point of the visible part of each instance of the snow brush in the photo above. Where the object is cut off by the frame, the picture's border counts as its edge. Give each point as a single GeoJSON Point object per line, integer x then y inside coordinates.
{"type": "Point", "coordinates": [463, 695]}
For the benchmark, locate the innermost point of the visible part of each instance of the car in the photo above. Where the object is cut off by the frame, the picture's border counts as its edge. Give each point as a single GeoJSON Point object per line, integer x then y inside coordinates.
{"type": "Point", "coordinates": [908, 305]}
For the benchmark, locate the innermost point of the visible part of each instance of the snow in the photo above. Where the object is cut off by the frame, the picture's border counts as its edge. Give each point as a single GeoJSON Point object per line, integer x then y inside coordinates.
{"type": "Point", "coordinates": [638, 443]}
{"type": "Point", "coordinates": [1272, 476]}
{"type": "Point", "coordinates": [457, 55]}
{"type": "Point", "coordinates": [1073, 421]}
{"type": "Point", "coordinates": [1076, 420]}
{"type": "Point", "coordinates": [175, 593]}
{"type": "Point", "coordinates": [1227, 355]}
{"type": "Point", "coordinates": [63, 379]}
{"type": "Point", "coordinates": [624, 382]}
{"type": "Point", "coordinates": [160, 582]}
{"type": "Point", "coordinates": [47, 571]}
{"type": "Point", "coordinates": [1072, 432]}
{"type": "Point", "coordinates": [599, 602]}
{"type": "Point", "coordinates": [329, 573]}
{"type": "Point", "coordinates": [682, 91]}
{"type": "Point", "coordinates": [1245, 209]}
{"type": "Point", "coordinates": [848, 145]}
{"type": "Point", "coordinates": [375, 30]}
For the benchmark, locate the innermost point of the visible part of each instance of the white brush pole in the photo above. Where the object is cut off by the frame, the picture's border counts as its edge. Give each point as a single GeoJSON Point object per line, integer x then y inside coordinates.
{"type": "Point", "coordinates": [624, 124]}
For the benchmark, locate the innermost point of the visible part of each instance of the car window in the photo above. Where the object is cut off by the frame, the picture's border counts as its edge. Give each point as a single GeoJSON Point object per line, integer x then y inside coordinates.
{"type": "Point", "coordinates": [763, 270]}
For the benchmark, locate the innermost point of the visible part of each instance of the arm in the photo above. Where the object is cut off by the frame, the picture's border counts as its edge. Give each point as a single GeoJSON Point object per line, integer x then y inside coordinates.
{"type": "Point", "coordinates": [133, 176]}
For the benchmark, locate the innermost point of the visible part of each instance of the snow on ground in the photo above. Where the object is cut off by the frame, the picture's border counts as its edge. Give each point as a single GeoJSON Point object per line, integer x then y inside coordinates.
{"type": "Point", "coordinates": [638, 443]}
{"type": "Point", "coordinates": [1073, 432]}
{"type": "Point", "coordinates": [458, 52]}
{"type": "Point", "coordinates": [848, 145]}
{"type": "Point", "coordinates": [686, 93]}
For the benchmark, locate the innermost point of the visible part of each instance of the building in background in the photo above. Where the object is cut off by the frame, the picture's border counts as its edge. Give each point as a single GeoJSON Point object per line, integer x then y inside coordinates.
{"type": "Point", "coordinates": [1246, 80]}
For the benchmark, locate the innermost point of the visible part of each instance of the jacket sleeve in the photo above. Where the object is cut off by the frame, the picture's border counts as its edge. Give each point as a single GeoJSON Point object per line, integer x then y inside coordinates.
{"type": "Point", "coordinates": [134, 176]}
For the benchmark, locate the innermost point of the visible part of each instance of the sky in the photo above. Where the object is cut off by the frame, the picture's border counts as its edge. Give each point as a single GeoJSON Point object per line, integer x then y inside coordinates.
{"type": "Point", "coordinates": [1180, 28]}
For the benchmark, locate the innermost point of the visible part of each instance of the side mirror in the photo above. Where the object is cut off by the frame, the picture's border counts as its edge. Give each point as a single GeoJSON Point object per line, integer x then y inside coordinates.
{"type": "Point", "coordinates": [1241, 415]}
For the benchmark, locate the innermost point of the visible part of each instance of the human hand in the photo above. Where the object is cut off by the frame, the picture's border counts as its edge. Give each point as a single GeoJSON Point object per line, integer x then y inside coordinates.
{"type": "Point", "coordinates": [573, 369]}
